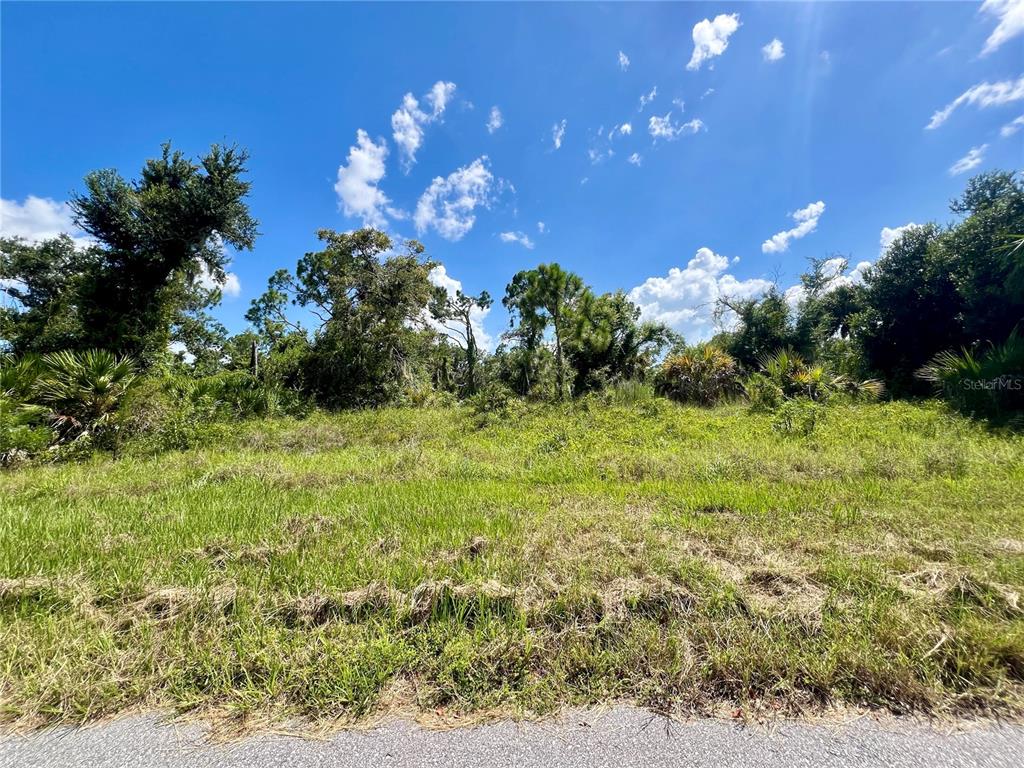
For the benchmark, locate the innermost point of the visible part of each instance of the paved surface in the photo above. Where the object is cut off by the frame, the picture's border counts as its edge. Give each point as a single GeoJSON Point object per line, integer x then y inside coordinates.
{"type": "Point", "coordinates": [621, 737]}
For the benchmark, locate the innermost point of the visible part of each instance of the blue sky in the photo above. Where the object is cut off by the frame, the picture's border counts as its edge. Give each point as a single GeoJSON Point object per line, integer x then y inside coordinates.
{"type": "Point", "coordinates": [862, 116]}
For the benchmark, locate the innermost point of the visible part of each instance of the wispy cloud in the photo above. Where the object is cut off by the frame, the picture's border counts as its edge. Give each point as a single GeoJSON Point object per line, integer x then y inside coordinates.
{"type": "Point", "coordinates": [970, 161]}
{"type": "Point", "coordinates": [623, 61]}
{"type": "Point", "coordinates": [558, 133]}
{"type": "Point", "coordinates": [517, 237]}
{"type": "Point", "coordinates": [1011, 22]}
{"type": "Point", "coordinates": [495, 120]}
{"type": "Point", "coordinates": [982, 95]}
{"type": "Point", "coordinates": [664, 128]}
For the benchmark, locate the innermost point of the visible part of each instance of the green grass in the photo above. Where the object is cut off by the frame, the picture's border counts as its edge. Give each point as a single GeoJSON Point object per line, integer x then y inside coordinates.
{"type": "Point", "coordinates": [681, 558]}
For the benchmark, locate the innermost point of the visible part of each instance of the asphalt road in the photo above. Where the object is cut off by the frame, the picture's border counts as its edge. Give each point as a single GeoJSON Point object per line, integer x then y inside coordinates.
{"type": "Point", "coordinates": [621, 738]}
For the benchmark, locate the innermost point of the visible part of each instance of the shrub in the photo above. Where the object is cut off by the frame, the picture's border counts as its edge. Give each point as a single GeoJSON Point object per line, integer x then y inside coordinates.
{"type": "Point", "coordinates": [786, 376]}
{"type": "Point", "coordinates": [703, 374]}
{"type": "Point", "coordinates": [82, 390]}
{"type": "Point", "coordinates": [988, 385]}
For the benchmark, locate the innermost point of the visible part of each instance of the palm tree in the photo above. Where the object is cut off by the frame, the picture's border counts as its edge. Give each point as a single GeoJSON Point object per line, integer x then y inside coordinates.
{"type": "Point", "coordinates": [82, 389]}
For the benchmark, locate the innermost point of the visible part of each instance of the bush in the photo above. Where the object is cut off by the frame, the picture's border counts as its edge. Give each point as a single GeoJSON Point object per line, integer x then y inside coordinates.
{"type": "Point", "coordinates": [989, 385]}
{"type": "Point", "coordinates": [798, 416]}
{"type": "Point", "coordinates": [703, 374]}
{"type": "Point", "coordinates": [785, 376]}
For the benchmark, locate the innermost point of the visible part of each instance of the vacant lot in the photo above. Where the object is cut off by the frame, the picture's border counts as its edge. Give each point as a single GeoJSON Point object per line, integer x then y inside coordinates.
{"type": "Point", "coordinates": [685, 559]}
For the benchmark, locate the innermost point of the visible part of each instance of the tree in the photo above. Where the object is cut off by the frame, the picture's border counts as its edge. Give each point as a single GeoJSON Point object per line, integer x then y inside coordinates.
{"type": "Point", "coordinates": [455, 314]}
{"type": "Point", "coordinates": [606, 340]}
{"type": "Point", "coordinates": [912, 309]}
{"type": "Point", "coordinates": [368, 312]}
{"type": "Point", "coordinates": [762, 327]}
{"type": "Point", "coordinates": [155, 234]}
{"type": "Point", "coordinates": [40, 284]}
{"type": "Point", "coordinates": [542, 297]}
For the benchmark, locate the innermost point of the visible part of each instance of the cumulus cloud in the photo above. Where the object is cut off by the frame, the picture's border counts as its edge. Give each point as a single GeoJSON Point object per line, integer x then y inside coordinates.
{"type": "Point", "coordinates": [626, 129]}
{"type": "Point", "coordinates": [664, 128]}
{"type": "Point", "coordinates": [806, 222]}
{"type": "Point", "coordinates": [558, 133]}
{"type": "Point", "coordinates": [647, 98]}
{"type": "Point", "coordinates": [517, 237]}
{"type": "Point", "coordinates": [542, 227]}
{"type": "Point", "coordinates": [888, 236]}
{"type": "Point", "coordinates": [635, 159]}
{"type": "Point", "coordinates": [1011, 22]}
{"type": "Point", "coordinates": [773, 51]}
{"type": "Point", "coordinates": [495, 120]}
{"type": "Point", "coordinates": [971, 160]}
{"type": "Point", "coordinates": [685, 298]}
{"type": "Point", "coordinates": [1012, 127]}
{"type": "Point", "coordinates": [39, 218]}
{"type": "Point", "coordinates": [711, 38]}
{"type": "Point", "coordinates": [448, 204]}
{"type": "Point", "coordinates": [982, 95]}
{"type": "Point", "coordinates": [623, 61]}
{"type": "Point", "coordinates": [358, 178]}
{"type": "Point", "coordinates": [439, 276]}
{"type": "Point", "coordinates": [408, 121]}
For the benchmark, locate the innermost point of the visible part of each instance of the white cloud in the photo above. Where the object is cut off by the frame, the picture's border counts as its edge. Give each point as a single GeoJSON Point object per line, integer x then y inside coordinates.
{"type": "Point", "coordinates": [685, 298]}
{"type": "Point", "coordinates": [635, 159]}
{"type": "Point", "coordinates": [495, 120]}
{"type": "Point", "coordinates": [707, 93]}
{"type": "Point", "coordinates": [647, 98]}
{"type": "Point", "coordinates": [664, 128]}
{"type": "Point", "coordinates": [408, 121]}
{"type": "Point", "coordinates": [448, 204]}
{"type": "Point", "coordinates": [517, 237]}
{"type": "Point", "coordinates": [599, 155]}
{"type": "Point", "coordinates": [888, 236]}
{"type": "Point", "coordinates": [623, 61]}
{"type": "Point", "coordinates": [971, 160]}
{"type": "Point", "coordinates": [982, 95]}
{"type": "Point", "coordinates": [773, 51]}
{"type": "Point", "coordinates": [806, 222]}
{"type": "Point", "coordinates": [542, 227]}
{"type": "Point", "coordinates": [681, 104]}
{"type": "Point", "coordinates": [711, 38]}
{"type": "Point", "coordinates": [357, 181]}
{"type": "Point", "coordinates": [626, 129]}
{"type": "Point", "coordinates": [439, 96]}
{"type": "Point", "coordinates": [1012, 127]}
{"type": "Point", "coordinates": [557, 133]}
{"type": "Point", "coordinates": [38, 219]}
{"type": "Point", "coordinates": [1011, 22]}
{"type": "Point", "coordinates": [439, 276]}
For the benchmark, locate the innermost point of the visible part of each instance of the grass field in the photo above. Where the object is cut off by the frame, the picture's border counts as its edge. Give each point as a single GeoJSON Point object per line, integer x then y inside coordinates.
{"type": "Point", "coordinates": [685, 559]}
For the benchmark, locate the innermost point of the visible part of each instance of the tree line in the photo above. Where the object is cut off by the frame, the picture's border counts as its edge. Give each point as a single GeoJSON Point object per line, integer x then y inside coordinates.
{"type": "Point", "coordinates": [359, 323]}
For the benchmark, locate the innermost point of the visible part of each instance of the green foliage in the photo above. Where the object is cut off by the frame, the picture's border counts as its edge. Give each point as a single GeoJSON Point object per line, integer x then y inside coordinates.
{"type": "Point", "coordinates": [798, 416]}
{"type": "Point", "coordinates": [762, 327]}
{"type": "Point", "coordinates": [986, 384]}
{"type": "Point", "coordinates": [369, 308]}
{"type": "Point", "coordinates": [82, 390]}
{"type": "Point", "coordinates": [543, 297]}
{"type": "Point", "coordinates": [456, 315]}
{"type": "Point", "coordinates": [786, 377]}
{"type": "Point", "coordinates": [704, 375]}
{"type": "Point", "coordinates": [154, 236]}
{"type": "Point", "coordinates": [606, 342]}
